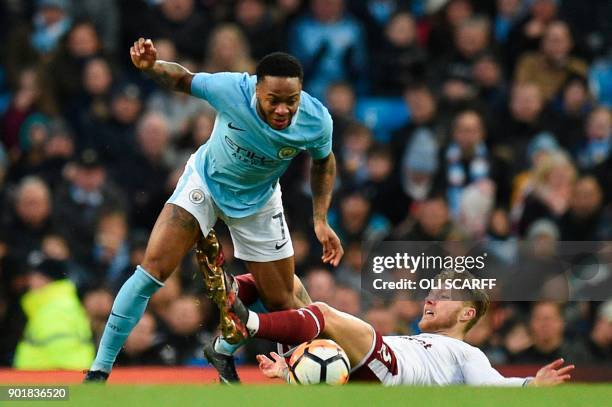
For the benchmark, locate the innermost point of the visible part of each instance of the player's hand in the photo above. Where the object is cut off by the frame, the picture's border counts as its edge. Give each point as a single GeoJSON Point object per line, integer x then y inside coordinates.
{"type": "Point", "coordinates": [332, 248]}
{"type": "Point", "coordinates": [276, 368]}
{"type": "Point", "coordinates": [552, 374]}
{"type": "Point", "coordinates": [143, 54]}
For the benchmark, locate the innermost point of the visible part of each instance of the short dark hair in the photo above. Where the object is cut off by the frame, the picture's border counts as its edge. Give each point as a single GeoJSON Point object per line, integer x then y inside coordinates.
{"type": "Point", "coordinates": [279, 64]}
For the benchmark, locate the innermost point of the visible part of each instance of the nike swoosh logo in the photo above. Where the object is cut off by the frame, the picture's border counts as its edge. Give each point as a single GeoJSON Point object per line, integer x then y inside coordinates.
{"type": "Point", "coordinates": [234, 127]}
{"type": "Point", "coordinates": [278, 247]}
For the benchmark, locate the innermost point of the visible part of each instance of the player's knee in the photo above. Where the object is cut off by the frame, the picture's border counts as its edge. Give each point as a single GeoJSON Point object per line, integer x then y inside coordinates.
{"type": "Point", "coordinates": [157, 267]}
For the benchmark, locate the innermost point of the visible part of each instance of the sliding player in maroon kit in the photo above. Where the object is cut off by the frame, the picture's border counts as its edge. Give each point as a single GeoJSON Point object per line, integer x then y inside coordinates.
{"type": "Point", "coordinates": [438, 356]}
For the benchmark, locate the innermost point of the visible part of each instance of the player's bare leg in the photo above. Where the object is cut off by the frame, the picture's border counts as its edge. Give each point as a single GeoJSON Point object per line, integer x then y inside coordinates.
{"type": "Point", "coordinates": [353, 335]}
{"type": "Point", "coordinates": [275, 282]}
{"type": "Point", "coordinates": [174, 234]}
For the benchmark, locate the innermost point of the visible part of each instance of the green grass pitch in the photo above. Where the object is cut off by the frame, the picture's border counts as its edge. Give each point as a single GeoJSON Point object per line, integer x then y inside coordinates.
{"type": "Point", "coordinates": [350, 395]}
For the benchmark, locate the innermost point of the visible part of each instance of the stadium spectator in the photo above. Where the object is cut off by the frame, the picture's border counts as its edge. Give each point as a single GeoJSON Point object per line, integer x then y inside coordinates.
{"type": "Point", "coordinates": [181, 22]}
{"type": "Point", "coordinates": [501, 243]}
{"type": "Point", "coordinates": [356, 141]}
{"type": "Point", "coordinates": [57, 334]}
{"type": "Point", "coordinates": [524, 118]}
{"type": "Point", "coordinates": [262, 30]}
{"type": "Point", "coordinates": [444, 24]}
{"type": "Point", "coordinates": [349, 271]}
{"type": "Point", "coordinates": [424, 116]}
{"type": "Point", "coordinates": [430, 222]}
{"type": "Point", "coordinates": [59, 150]}
{"type": "Point", "coordinates": [145, 346]}
{"type": "Point", "coordinates": [33, 136]}
{"type": "Point", "coordinates": [467, 160]}
{"type": "Point", "coordinates": [31, 218]}
{"type": "Point", "coordinates": [110, 255]}
{"type": "Point", "coordinates": [570, 109]}
{"type": "Point", "coordinates": [380, 185]}
{"type": "Point", "coordinates": [340, 100]}
{"type": "Point", "coordinates": [491, 87]}
{"type": "Point", "coordinates": [595, 148]}
{"type": "Point", "coordinates": [112, 135]}
{"type": "Point", "coordinates": [398, 52]}
{"type": "Point", "coordinates": [584, 219]}
{"type": "Point", "coordinates": [31, 43]}
{"type": "Point", "coordinates": [79, 45]}
{"type": "Point", "coordinates": [347, 300]}
{"type": "Point", "coordinates": [508, 14]}
{"type": "Point", "coordinates": [88, 192]}
{"type": "Point", "coordinates": [331, 45]}
{"type": "Point", "coordinates": [320, 284]}
{"type": "Point", "coordinates": [551, 191]}
{"type": "Point", "coordinates": [104, 15]}
{"type": "Point", "coordinates": [527, 33]}
{"type": "Point", "coordinates": [93, 103]}
{"type": "Point", "coordinates": [552, 65]}
{"type": "Point", "coordinates": [144, 174]}
{"type": "Point", "coordinates": [26, 101]}
{"type": "Point", "coordinates": [228, 51]}
{"type": "Point", "coordinates": [186, 336]}
{"type": "Point", "coordinates": [471, 40]}
{"type": "Point", "coordinates": [599, 343]}
{"type": "Point", "coordinates": [98, 304]}
{"type": "Point", "coordinates": [418, 167]}
{"type": "Point", "coordinates": [355, 220]}
{"type": "Point", "coordinates": [546, 327]}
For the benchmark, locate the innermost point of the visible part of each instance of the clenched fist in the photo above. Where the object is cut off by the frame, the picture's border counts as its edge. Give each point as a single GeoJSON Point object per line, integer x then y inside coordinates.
{"type": "Point", "coordinates": [143, 54]}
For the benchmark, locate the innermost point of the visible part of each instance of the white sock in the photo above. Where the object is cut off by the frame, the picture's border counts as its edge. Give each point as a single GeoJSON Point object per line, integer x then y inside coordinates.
{"type": "Point", "coordinates": [253, 323]}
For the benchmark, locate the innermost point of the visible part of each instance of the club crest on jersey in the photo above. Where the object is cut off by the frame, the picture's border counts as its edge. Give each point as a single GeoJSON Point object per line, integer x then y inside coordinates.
{"type": "Point", "coordinates": [196, 196]}
{"type": "Point", "coordinates": [287, 152]}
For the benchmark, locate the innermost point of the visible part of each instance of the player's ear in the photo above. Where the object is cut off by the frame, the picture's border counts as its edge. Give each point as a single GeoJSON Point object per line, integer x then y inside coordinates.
{"type": "Point", "coordinates": [467, 314]}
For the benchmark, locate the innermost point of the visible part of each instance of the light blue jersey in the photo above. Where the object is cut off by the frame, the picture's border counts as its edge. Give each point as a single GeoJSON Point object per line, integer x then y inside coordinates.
{"type": "Point", "coordinates": [245, 157]}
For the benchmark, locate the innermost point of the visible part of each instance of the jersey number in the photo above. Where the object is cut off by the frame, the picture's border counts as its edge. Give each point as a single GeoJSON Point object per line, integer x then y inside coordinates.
{"type": "Point", "coordinates": [279, 216]}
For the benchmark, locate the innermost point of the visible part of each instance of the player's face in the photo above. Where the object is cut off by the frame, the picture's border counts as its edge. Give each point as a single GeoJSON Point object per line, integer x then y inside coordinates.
{"type": "Point", "coordinates": [440, 313]}
{"type": "Point", "coordinates": [278, 99]}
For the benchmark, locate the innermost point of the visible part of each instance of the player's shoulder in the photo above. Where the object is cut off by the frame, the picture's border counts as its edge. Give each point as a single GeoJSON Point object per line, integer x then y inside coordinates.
{"type": "Point", "coordinates": [312, 109]}
{"type": "Point", "coordinates": [226, 81]}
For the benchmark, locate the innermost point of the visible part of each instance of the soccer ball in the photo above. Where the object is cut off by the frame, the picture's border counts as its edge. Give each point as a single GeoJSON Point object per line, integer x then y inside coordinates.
{"type": "Point", "coordinates": [319, 361]}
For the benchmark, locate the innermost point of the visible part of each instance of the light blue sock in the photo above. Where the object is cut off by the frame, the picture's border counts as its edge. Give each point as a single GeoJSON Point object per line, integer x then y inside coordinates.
{"type": "Point", "coordinates": [129, 305]}
{"type": "Point", "coordinates": [225, 348]}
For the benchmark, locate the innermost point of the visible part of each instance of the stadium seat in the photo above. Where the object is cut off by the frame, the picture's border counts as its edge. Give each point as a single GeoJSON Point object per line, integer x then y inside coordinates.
{"type": "Point", "coordinates": [382, 115]}
{"type": "Point", "coordinates": [600, 81]}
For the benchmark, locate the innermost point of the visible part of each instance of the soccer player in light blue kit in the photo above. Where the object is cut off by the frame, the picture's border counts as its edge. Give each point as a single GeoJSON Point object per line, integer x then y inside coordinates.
{"type": "Point", "coordinates": [262, 122]}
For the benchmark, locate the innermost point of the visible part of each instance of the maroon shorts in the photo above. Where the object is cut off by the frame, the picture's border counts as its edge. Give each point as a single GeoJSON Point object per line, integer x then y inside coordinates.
{"type": "Point", "coordinates": [382, 358]}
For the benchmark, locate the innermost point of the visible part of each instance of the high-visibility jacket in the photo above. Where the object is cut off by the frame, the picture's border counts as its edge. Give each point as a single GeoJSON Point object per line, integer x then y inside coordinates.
{"type": "Point", "coordinates": [57, 333]}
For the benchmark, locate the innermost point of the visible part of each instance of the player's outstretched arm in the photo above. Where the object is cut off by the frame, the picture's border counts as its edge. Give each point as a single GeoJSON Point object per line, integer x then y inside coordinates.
{"type": "Point", "coordinates": [273, 368]}
{"type": "Point", "coordinates": [168, 74]}
{"type": "Point", "coordinates": [322, 175]}
{"type": "Point", "coordinates": [552, 374]}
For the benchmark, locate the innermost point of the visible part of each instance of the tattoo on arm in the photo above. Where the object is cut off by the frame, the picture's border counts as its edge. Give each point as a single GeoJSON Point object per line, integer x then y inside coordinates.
{"type": "Point", "coordinates": [302, 295]}
{"type": "Point", "coordinates": [322, 175]}
{"type": "Point", "coordinates": [171, 76]}
{"type": "Point", "coordinates": [183, 219]}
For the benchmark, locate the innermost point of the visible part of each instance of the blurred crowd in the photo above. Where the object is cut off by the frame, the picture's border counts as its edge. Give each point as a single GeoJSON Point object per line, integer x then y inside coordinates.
{"type": "Point", "coordinates": [453, 119]}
